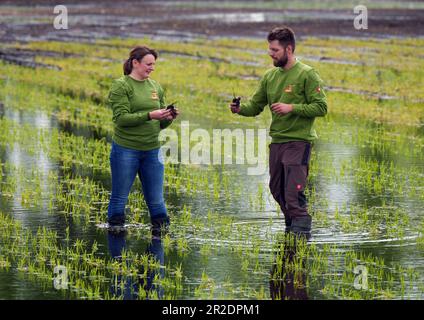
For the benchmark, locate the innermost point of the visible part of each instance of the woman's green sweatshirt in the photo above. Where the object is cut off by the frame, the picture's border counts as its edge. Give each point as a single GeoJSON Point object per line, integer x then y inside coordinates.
{"type": "Point", "coordinates": [131, 101]}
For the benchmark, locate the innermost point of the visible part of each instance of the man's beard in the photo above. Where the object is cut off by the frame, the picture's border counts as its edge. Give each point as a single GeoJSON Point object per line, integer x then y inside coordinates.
{"type": "Point", "coordinates": [282, 62]}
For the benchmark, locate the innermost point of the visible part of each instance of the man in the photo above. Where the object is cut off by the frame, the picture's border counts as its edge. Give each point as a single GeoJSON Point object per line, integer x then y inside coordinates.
{"type": "Point", "coordinates": [294, 93]}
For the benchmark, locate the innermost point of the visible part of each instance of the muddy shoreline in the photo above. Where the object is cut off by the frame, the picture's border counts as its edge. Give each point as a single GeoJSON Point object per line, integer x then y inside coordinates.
{"type": "Point", "coordinates": [28, 20]}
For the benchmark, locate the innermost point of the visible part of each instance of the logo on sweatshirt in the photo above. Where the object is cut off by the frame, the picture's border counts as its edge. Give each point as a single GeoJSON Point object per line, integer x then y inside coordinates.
{"type": "Point", "coordinates": [155, 95]}
{"type": "Point", "coordinates": [288, 89]}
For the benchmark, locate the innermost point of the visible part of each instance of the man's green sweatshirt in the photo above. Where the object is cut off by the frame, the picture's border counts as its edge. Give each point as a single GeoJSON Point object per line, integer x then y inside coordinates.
{"type": "Point", "coordinates": [300, 86]}
{"type": "Point", "coordinates": [131, 101]}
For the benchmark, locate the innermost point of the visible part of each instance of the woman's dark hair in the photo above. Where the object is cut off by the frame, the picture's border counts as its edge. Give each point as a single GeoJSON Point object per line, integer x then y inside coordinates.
{"type": "Point", "coordinates": [284, 35]}
{"type": "Point", "coordinates": [137, 53]}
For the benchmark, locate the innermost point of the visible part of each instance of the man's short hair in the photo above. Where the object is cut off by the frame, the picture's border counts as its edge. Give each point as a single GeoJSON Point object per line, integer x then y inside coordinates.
{"type": "Point", "coordinates": [284, 35]}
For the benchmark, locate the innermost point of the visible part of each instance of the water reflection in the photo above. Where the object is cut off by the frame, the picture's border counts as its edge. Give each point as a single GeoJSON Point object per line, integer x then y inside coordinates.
{"type": "Point", "coordinates": [1, 110]}
{"type": "Point", "coordinates": [288, 279]}
{"type": "Point", "coordinates": [129, 288]}
{"type": "Point", "coordinates": [37, 168]}
{"type": "Point", "coordinates": [86, 131]}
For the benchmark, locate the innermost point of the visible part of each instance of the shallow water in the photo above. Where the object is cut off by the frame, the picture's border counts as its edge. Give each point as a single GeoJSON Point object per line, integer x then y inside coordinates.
{"type": "Point", "coordinates": [394, 249]}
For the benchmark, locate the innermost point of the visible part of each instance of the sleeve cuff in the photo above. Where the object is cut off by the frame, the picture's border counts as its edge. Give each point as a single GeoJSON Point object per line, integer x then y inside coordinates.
{"type": "Point", "coordinates": [242, 111]}
{"type": "Point", "coordinates": [144, 116]}
{"type": "Point", "coordinates": [297, 108]}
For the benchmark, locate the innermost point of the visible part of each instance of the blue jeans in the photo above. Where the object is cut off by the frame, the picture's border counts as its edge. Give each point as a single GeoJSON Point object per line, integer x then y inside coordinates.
{"type": "Point", "coordinates": [125, 164]}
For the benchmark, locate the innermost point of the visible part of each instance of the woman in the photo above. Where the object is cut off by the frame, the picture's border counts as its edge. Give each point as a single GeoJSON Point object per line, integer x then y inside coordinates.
{"type": "Point", "coordinates": [139, 113]}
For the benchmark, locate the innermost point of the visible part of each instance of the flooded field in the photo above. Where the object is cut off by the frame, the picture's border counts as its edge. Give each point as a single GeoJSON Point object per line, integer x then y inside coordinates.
{"type": "Point", "coordinates": [226, 240]}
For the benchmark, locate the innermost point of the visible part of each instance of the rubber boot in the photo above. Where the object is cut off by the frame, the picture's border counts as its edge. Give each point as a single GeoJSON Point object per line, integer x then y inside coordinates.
{"type": "Point", "coordinates": [116, 224]}
{"type": "Point", "coordinates": [301, 226]}
{"type": "Point", "coordinates": [160, 226]}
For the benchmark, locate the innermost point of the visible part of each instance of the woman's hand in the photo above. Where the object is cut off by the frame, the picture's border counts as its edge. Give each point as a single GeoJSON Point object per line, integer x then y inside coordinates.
{"type": "Point", "coordinates": [161, 114]}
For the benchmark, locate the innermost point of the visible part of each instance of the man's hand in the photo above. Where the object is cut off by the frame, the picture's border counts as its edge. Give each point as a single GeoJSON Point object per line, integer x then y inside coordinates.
{"type": "Point", "coordinates": [235, 108]}
{"type": "Point", "coordinates": [281, 108]}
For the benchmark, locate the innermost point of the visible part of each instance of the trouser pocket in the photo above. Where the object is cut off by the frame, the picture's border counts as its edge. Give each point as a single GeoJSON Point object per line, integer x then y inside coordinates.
{"type": "Point", "coordinates": [295, 177]}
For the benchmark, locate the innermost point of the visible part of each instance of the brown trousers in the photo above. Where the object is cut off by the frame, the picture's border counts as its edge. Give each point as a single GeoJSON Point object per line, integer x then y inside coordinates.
{"type": "Point", "coordinates": [288, 168]}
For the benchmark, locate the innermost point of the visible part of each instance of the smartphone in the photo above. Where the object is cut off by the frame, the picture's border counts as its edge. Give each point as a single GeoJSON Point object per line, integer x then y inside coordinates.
{"type": "Point", "coordinates": [172, 108]}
